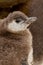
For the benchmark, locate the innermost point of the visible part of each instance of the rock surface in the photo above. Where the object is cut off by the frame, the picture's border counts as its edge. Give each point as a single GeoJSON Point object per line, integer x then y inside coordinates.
{"type": "Point", "coordinates": [10, 3]}
{"type": "Point", "coordinates": [13, 5]}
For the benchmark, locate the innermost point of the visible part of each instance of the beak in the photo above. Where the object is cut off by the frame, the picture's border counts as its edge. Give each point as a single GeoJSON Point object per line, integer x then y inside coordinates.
{"type": "Point", "coordinates": [31, 20]}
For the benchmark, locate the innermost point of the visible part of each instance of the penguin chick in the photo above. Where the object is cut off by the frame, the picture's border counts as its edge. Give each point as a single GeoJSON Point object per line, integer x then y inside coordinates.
{"type": "Point", "coordinates": [17, 44]}
{"type": "Point", "coordinates": [19, 21]}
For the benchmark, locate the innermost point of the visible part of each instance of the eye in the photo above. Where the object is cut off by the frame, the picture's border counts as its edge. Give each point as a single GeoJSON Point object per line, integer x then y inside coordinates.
{"type": "Point", "coordinates": [18, 20]}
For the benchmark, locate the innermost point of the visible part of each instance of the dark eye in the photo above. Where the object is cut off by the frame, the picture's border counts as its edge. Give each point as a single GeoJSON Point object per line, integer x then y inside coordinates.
{"type": "Point", "coordinates": [18, 20]}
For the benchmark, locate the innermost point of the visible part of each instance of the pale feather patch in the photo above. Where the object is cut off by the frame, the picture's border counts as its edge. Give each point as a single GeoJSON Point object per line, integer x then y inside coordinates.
{"type": "Point", "coordinates": [30, 57]}
{"type": "Point", "coordinates": [15, 27]}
